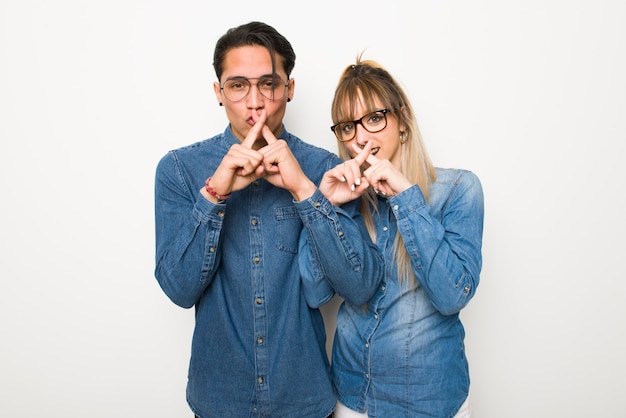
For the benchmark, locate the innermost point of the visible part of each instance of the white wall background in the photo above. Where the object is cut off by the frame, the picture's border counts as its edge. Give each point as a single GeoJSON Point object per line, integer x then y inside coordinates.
{"type": "Point", "coordinates": [531, 95]}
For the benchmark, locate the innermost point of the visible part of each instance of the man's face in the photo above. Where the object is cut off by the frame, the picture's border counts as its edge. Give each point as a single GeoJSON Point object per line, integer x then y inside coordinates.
{"type": "Point", "coordinates": [253, 63]}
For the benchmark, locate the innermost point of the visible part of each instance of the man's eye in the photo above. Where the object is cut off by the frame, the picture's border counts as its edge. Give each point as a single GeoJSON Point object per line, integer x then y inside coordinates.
{"type": "Point", "coordinates": [266, 84]}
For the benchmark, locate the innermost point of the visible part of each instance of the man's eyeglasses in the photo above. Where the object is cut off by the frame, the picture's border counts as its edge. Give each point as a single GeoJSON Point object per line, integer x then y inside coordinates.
{"type": "Point", "coordinates": [236, 89]}
{"type": "Point", "coordinates": [372, 122]}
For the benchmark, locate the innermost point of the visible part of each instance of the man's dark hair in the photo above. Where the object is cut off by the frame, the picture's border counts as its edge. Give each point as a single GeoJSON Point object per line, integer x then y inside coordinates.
{"type": "Point", "coordinates": [254, 33]}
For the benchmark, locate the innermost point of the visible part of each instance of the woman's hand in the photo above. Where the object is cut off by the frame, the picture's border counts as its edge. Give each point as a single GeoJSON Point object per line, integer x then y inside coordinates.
{"type": "Point", "coordinates": [383, 176]}
{"type": "Point", "coordinates": [345, 182]}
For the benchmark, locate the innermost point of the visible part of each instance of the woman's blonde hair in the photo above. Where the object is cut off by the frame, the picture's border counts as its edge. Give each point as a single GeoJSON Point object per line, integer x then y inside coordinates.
{"type": "Point", "coordinates": [364, 83]}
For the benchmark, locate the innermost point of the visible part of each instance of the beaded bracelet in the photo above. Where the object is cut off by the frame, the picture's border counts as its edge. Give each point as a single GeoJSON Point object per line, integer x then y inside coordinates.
{"type": "Point", "coordinates": [210, 191]}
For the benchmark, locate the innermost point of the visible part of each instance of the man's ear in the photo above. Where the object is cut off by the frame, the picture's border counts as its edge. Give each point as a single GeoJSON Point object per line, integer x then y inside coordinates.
{"type": "Point", "coordinates": [292, 87]}
{"type": "Point", "coordinates": [218, 93]}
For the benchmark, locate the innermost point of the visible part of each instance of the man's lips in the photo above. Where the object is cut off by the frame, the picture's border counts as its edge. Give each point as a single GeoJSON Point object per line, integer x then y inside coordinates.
{"type": "Point", "coordinates": [253, 119]}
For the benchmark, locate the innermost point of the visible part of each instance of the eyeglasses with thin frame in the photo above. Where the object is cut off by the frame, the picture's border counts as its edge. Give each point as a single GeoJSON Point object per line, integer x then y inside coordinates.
{"type": "Point", "coordinates": [372, 122]}
{"type": "Point", "coordinates": [271, 87]}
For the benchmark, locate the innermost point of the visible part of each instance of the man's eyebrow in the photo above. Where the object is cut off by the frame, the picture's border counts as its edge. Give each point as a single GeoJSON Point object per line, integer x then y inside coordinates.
{"type": "Point", "coordinates": [241, 77]}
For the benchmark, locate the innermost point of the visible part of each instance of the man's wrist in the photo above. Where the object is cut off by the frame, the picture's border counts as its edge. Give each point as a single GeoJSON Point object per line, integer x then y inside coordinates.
{"type": "Point", "coordinates": [304, 192]}
{"type": "Point", "coordinates": [212, 193]}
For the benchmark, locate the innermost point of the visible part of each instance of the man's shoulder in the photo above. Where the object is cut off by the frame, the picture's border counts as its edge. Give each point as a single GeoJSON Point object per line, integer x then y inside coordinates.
{"type": "Point", "coordinates": [198, 153]}
{"type": "Point", "coordinates": [198, 145]}
{"type": "Point", "coordinates": [308, 148]}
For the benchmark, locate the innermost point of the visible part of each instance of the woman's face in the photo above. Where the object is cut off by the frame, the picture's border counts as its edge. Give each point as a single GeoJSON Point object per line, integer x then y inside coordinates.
{"type": "Point", "coordinates": [386, 143]}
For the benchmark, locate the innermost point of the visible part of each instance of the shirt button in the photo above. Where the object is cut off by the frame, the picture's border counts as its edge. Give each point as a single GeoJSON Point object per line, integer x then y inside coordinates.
{"type": "Point", "coordinates": [376, 315]}
{"type": "Point", "coordinates": [259, 379]}
{"type": "Point", "coordinates": [395, 207]}
{"type": "Point", "coordinates": [367, 345]}
{"type": "Point", "coordinates": [256, 260]}
{"type": "Point", "coordinates": [259, 340]}
{"type": "Point", "coordinates": [220, 213]}
{"type": "Point", "coordinates": [317, 204]}
{"type": "Point", "coordinates": [385, 228]}
{"type": "Point", "coordinates": [212, 249]}
{"type": "Point", "coordinates": [259, 301]}
{"type": "Point", "coordinates": [467, 289]}
{"type": "Point", "coordinates": [254, 222]}
{"type": "Point", "coordinates": [340, 233]}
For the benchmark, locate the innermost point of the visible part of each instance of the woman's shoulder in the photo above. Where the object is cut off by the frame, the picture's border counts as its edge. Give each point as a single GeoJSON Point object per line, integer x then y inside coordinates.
{"type": "Point", "coordinates": [457, 182]}
{"type": "Point", "coordinates": [455, 175]}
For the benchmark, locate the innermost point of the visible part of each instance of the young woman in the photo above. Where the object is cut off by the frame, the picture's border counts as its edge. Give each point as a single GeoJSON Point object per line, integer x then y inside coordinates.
{"type": "Point", "coordinates": [402, 353]}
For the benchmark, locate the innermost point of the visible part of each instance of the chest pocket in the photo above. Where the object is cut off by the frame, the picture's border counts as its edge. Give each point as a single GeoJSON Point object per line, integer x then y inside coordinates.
{"type": "Point", "coordinates": [288, 226]}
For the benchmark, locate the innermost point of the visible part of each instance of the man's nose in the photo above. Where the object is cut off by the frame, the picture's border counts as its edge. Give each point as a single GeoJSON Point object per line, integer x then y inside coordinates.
{"type": "Point", "coordinates": [255, 99]}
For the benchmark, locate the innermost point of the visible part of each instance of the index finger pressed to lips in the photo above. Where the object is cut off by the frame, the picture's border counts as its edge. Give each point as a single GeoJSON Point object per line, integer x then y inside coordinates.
{"type": "Point", "coordinates": [255, 131]}
{"type": "Point", "coordinates": [363, 154]}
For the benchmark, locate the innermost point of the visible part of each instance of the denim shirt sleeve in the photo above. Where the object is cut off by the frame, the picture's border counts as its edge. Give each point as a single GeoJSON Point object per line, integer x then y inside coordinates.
{"type": "Point", "coordinates": [336, 253]}
{"type": "Point", "coordinates": [317, 290]}
{"type": "Point", "coordinates": [188, 229]}
{"type": "Point", "coordinates": [446, 253]}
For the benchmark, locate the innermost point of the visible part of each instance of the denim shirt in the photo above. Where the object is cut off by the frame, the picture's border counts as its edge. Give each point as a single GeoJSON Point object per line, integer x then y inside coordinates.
{"type": "Point", "coordinates": [258, 349]}
{"type": "Point", "coordinates": [403, 354]}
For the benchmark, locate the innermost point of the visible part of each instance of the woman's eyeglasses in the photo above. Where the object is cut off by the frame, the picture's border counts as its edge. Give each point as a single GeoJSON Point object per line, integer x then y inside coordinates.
{"type": "Point", "coordinates": [372, 122]}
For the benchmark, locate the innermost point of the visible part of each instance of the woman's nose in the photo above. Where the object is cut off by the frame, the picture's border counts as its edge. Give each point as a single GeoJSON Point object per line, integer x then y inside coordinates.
{"type": "Point", "coordinates": [360, 135]}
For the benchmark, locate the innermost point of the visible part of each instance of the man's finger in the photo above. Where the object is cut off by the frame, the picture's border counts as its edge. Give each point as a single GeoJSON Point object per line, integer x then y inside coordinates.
{"type": "Point", "coordinates": [255, 131]}
{"type": "Point", "coordinates": [268, 135]}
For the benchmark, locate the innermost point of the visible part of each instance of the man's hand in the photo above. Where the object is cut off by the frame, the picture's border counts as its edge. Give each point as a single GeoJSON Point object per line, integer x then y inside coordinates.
{"type": "Point", "coordinates": [281, 168]}
{"type": "Point", "coordinates": [240, 166]}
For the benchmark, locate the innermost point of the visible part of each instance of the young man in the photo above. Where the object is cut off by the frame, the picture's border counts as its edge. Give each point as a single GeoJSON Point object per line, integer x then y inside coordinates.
{"type": "Point", "coordinates": [230, 212]}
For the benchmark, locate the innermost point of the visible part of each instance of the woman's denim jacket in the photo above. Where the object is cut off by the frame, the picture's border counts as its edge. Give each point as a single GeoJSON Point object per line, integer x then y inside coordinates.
{"type": "Point", "coordinates": [402, 354]}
